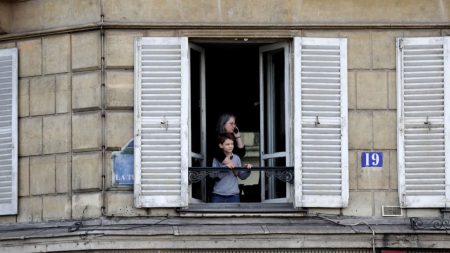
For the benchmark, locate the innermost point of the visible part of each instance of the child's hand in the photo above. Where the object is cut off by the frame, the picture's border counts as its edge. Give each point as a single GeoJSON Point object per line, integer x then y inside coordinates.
{"type": "Point", "coordinates": [228, 163]}
{"type": "Point", "coordinates": [248, 166]}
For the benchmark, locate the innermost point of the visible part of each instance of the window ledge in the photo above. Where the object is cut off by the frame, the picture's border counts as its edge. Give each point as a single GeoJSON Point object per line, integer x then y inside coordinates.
{"type": "Point", "coordinates": [242, 209]}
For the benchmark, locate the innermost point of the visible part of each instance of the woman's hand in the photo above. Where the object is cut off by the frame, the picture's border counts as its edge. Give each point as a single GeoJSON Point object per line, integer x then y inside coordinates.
{"type": "Point", "coordinates": [248, 166]}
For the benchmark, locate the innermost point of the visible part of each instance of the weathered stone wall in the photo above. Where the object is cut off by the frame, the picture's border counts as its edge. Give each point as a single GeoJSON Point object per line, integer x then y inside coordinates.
{"type": "Point", "coordinates": [69, 122]}
{"type": "Point", "coordinates": [38, 15]}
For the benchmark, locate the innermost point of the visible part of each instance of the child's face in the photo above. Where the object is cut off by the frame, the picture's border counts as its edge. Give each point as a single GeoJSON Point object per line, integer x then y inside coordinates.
{"type": "Point", "coordinates": [227, 146]}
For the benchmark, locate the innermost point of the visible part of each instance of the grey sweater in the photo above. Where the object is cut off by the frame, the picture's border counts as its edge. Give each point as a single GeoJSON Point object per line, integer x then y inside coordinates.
{"type": "Point", "coordinates": [228, 182]}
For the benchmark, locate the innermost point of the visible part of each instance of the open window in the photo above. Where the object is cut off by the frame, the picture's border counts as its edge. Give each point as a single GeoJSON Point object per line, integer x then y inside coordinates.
{"type": "Point", "coordinates": [289, 97]}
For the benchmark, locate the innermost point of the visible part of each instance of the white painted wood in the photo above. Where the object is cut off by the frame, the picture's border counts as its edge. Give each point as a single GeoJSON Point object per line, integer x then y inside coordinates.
{"type": "Point", "coordinates": [423, 136]}
{"type": "Point", "coordinates": [202, 155]}
{"type": "Point", "coordinates": [320, 122]}
{"type": "Point", "coordinates": [268, 115]}
{"type": "Point", "coordinates": [161, 122]}
{"type": "Point", "coordinates": [8, 131]}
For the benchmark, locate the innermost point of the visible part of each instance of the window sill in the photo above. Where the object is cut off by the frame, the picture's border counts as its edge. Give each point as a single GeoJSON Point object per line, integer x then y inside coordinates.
{"type": "Point", "coordinates": [242, 209]}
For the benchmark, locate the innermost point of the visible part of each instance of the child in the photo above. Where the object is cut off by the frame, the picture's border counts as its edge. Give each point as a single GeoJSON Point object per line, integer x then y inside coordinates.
{"type": "Point", "coordinates": [226, 189]}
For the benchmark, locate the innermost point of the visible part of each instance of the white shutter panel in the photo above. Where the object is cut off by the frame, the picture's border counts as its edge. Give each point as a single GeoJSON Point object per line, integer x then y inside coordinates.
{"type": "Point", "coordinates": [423, 85]}
{"type": "Point", "coordinates": [161, 122]}
{"type": "Point", "coordinates": [8, 131]}
{"type": "Point", "coordinates": [321, 143]}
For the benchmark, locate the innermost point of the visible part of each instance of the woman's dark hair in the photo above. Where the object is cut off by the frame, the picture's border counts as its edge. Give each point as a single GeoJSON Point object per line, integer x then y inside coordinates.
{"type": "Point", "coordinates": [223, 119]}
{"type": "Point", "coordinates": [223, 137]}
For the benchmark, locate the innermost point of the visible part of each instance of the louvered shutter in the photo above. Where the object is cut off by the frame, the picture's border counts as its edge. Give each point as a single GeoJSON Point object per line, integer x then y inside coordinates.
{"type": "Point", "coordinates": [8, 131]}
{"type": "Point", "coordinates": [321, 142]}
{"type": "Point", "coordinates": [423, 86]}
{"type": "Point", "coordinates": [161, 122]}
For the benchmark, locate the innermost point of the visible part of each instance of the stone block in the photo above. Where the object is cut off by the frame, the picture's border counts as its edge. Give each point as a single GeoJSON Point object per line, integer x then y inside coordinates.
{"type": "Point", "coordinates": [63, 93]}
{"type": "Point", "coordinates": [393, 173]}
{"type": "Point", "coordinates": [27, 16]}
{"type": "Point", "coordinates": [30, 136]}
{"type": "Point", "coordinates": [86, 50]}
{"type": "Point", "coordinates": [9, 219]}
{"type": "Point", "coordinates": [385, 198]}
{"type": "Point", "coordinates": [371, 90]}
{"type": "Point", "coordinates": [56, 207]}
{"type": "Point", "coordinates": [445, 32]}
{"type": "Point", "coordinates": [384, 129]}
{"type": "Point", "coordinates": [423, 212]}
{"type": "Point", "coordinates": [359, 52]}
{"type": "Point", "coordinates": [119, 89]}
{"type": "Point", "coordinates": [108, 170]}
{"type": "Point", "coordinates": [422, 33]}
{"type": "Point", "coordinates": [360, 130]}
{"type": "Point", "coordinates": [119, 128]}
{"type": "Point", "coordinates": [392, 89]}
{"type": "Point", "coordinates": [24, 176]}
{"type": "Point", "coordinates": [351, 89]}
{"type": "Point", "coordinates": [69, 13]}
{"type": "Point", "coordinates": [30, 209]}
{"type": "Point", "coordinates": [24, 97]}
{"type": "Point", "coordinates": [121, 204]}
{"type": "Point", "coordinates": [374, 178]}
{"type": "Point", "coordinates": [86, 90]}
{"type": "Point", "coordinates": [320, 33]}
{"type": "Point", "coordinates": [63, 173]}
{"type": "Point", "coordinates": [360, 204]}
{"type": "Point", "coordinates": [384, 48]}
{"type": "Point", "coordinates": [56, 136]}
{"type": "Point", "coordinates": [30, 57]}
{"type": "Point", "coordinates": [86, 205]}
{"type": "Point", "coordinates": [353, 169]}
{"type": "Point", "coordinates": [42, 175]}
{"type": "Point", "coordinates": [6, 45]}
{"type": "Point", "coordinates": [87, 171]}
{"type": "Point", "coordinates": [56, 54]}
{"type": "Point", "coordinates": [120, 47]}
{"type": "Point", "coordinates": [86, 131]}
{"type": "Point", "coordinates": [322, 211]}
{"type": "Point", "coordinates": [42, 95]}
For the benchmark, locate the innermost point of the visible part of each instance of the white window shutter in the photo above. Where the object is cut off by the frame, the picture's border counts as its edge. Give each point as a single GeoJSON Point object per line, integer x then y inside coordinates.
{"type": "Point", "coordinates": [320, 122]}
{"type": "Point", "coordinates": [8, 131]}
{"type": "Point", "coordinates": [161, 122]}
{"type": "Point", "coordinates": [423, 89]}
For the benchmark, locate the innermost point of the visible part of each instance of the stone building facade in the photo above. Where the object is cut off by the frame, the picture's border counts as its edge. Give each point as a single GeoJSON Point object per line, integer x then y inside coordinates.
{"type": "Point", "coordinates": [76, 79]}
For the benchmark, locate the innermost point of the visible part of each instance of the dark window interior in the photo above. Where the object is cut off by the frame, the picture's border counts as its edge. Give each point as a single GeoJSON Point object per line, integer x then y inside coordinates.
{"type": "Point", "coordinates": [232, 85]}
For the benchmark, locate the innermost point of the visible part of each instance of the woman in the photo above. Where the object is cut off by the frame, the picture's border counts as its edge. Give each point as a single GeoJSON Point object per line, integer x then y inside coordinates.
{"type": "Point", "coordinates": [227, 124]}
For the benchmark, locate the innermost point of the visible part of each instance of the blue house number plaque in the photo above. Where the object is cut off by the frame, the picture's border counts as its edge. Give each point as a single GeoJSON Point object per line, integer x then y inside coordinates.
{"type": "Point", "coordinates": [372, 159]}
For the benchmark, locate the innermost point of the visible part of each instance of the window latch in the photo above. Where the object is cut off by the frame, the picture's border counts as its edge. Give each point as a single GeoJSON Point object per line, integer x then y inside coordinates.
{"type": "Point", "coordinates": [427, 123]}
{"type": "Point", "coordinates": [164, 124]}
{"type": "Point", "coordinates": [317, 122]}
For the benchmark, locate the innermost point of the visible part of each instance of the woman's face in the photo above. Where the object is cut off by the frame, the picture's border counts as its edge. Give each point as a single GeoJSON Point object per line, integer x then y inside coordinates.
{"type": "Point", "coordinates": [230, 125]}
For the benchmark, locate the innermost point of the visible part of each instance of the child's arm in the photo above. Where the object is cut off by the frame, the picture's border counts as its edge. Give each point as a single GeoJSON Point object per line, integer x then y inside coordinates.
{"type": "Point", "coordinates": [219, 173]}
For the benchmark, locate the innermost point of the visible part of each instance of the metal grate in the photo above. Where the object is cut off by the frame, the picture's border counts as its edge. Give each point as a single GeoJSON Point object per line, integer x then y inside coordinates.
{"type": "Point", "coordinates": [388, 211]}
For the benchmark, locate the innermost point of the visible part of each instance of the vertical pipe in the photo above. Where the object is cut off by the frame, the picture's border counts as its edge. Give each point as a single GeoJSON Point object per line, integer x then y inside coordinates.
{"type": "Point", "coordinates": [103, 125]}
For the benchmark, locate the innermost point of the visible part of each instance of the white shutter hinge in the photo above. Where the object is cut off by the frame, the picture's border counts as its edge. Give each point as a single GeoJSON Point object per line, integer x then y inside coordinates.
{"type": "Point", "coordinates": [400, 44]}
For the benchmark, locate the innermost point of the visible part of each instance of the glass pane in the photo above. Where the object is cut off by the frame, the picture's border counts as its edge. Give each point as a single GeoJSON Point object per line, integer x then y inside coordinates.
{"type": "Point", "coordinates": [198, 188]}
{"type": "Point", "coordinates": [274, 99]}
{"type": "Point", "coordinates": [274, 187]}
{"type": "Point", "coordinates": [195, 101]}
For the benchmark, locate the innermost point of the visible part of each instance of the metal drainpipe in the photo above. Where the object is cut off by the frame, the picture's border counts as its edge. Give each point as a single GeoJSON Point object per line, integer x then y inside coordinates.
{"type": "Point", "coordinates": [103, 126]}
